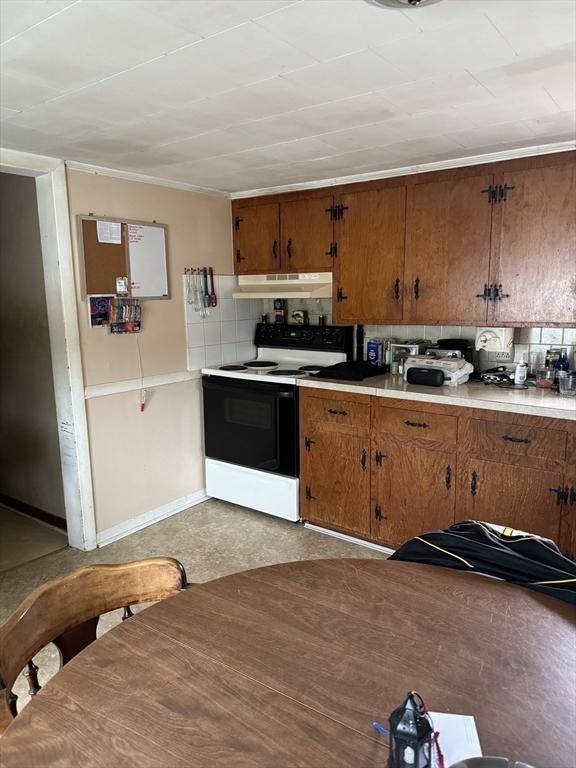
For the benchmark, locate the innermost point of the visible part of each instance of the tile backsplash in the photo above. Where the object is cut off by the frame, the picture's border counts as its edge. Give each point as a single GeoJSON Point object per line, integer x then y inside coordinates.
{"type": "Point", "coordinates": [226, 335]}
{"type": "Point", "coordinates": [529, 343]}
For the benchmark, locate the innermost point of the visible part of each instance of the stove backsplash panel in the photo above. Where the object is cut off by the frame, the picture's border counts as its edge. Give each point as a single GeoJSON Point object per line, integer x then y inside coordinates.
{"type": "Point", "coordinates": [226, 335]}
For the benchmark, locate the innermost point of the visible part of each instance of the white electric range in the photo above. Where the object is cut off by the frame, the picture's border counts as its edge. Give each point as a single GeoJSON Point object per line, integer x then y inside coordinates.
{"type": "Point", "coordinates": [251, 415]}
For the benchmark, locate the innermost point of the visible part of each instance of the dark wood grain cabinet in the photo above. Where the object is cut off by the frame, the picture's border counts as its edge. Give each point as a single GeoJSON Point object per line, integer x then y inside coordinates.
{"type": "Point", "coordinates": [491, 244]}
{"type": "Point", "coordinates": [388, 470]}
{"type": "Point", "coordinates": [512, 495]}
{"type": "Point", "coordinates": [369, 262]}
{"type": "Point", "coordinates": [533, 264]}
{"type": "Point", "coordinates": [334, 461]}
{"type": "Point", "coordinates": [448, 250]}
{"type": "Point", "coordinates": [257, 239]}
{"type": "Point", "coordinates": [307, 235]}
{"type": "Point", "coordinates": [292, 236]}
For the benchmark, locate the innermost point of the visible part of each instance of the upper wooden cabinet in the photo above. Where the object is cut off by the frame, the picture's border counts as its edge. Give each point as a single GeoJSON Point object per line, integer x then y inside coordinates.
{"type": "Point", "coordinates": [257, 240]}
{"type": "Point", "coordinates": [534, 246]}
{"type": "Point", "coordinates": [369, 263]}
{"type": "Point", "coordinates": [493, 244]}
{"type": "Point", "coordinates": [293, 236]}
{"type": "Point", "coordinates": [448, 250]}
{"type": "Point", "coordinates": [306, 235]}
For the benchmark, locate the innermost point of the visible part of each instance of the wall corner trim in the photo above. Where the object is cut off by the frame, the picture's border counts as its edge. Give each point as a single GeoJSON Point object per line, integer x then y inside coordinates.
{"type": "Point", "coordinates": [121, 530]}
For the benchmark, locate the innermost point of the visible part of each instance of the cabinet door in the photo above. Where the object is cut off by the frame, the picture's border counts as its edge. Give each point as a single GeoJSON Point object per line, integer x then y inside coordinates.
{"type": "Point", "coordinates": [307, 234]}
{"type": "Point", "coordinates": [413, 490]}
{"type": "Point", "coordinates": [370, 258]}
{"type": "Point", "coordinates": [448, 251]}
{"type": "Point", "coordinates": [534, 246]}
{"type": "Point", "coordinates": [510, 495]}
{"type": "Point", "coordinates": [257, 240]}
{"type": "Point", "coordinates": [334, 482]}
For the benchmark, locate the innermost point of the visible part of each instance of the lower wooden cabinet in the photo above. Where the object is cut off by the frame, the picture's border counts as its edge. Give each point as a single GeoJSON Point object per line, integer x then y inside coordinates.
{"type": "Point", "coordinates": [335, 484]}
{"type": "Point", "coordinates": [377, 469]}
{"type": "Point", "coordinates": [516, 496]}
{"type": "Point", "coordinates": [413, 490]}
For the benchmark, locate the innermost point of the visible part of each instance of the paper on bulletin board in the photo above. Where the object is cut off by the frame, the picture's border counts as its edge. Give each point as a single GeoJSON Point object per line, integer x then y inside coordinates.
{"type": "Point", "coordinates": [147, 258]}
{"type": "Point", "coordinates": [109, 232]}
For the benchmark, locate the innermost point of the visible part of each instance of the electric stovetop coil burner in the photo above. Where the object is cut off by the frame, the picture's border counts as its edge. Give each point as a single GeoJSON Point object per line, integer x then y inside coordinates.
{"type": "Point", "coordinates": [260, 364]}
{"type": "Point", "coordinates": [287, 372]}
{"type": "Point", "coordinates": [232, 368]}
{"type": "Point", "coordinates": [311, 368]}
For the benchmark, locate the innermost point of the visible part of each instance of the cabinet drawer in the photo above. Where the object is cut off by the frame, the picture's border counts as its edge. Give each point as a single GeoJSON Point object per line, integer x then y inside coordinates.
{"type": "Point", "coordinates": [405, 423]}
{"type": "Point", "coordinates": [332, 411]}
{"type": "Point", "coordinates": [499, 439]}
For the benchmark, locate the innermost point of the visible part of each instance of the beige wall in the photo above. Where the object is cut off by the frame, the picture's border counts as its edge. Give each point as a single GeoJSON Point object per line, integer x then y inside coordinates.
{"type": "Point", "coordinates": [142, 461]}
{"type": "Point", "coordinates": [30, 468]}
{"type": "Point", "coordinates": [199, 233]}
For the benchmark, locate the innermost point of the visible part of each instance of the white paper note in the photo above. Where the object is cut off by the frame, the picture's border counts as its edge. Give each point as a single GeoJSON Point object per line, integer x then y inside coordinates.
{"type": "Point", "coordinates": [109, 232]}
{"type": "Point", "coordinates": [458, 737]}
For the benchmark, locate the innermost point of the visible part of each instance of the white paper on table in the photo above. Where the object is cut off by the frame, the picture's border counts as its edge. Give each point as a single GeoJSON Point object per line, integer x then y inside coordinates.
{"type": "Point", "coordinates": [109, 232]}
{"type": "Point", "coordinates": [458, 737]}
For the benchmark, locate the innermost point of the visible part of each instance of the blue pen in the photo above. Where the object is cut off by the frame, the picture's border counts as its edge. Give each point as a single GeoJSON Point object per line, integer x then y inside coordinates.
{"type": "Point", "coordinates": [380, 729]}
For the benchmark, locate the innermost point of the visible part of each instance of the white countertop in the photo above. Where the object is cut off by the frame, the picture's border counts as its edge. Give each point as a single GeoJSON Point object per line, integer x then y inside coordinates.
{"type": "Point", "coordinates": [532, 401]}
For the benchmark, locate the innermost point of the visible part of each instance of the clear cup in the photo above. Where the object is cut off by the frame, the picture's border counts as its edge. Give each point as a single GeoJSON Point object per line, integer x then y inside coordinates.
{"type": "Point", "coordinates": [567, 385]}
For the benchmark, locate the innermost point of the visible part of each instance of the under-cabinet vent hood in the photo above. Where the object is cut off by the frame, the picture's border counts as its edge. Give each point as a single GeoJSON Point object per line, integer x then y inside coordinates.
{"type": "Point", "coordinates": [309, 285]}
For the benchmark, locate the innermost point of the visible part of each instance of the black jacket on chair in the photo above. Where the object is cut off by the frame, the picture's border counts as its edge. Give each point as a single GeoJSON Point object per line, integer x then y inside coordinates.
{"type": "Point", "coordinates": [522, 558]}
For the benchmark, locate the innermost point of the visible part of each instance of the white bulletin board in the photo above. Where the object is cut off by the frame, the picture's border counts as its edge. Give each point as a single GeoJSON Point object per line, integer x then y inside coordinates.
{"type": "Point", "coordinates": [147, 261]}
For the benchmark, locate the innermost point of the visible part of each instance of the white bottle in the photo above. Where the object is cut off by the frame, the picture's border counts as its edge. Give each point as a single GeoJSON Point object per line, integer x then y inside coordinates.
{"type": "Point", "coordinates": [521, 373]}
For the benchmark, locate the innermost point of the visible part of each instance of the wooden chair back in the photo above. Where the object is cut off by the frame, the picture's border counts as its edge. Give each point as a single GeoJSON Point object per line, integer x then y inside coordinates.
{"type": "Point", "coordinates": [65, 611]}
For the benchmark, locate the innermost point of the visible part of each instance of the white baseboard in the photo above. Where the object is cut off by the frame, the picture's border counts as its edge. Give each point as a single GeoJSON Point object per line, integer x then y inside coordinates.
{"type": "Point", "coordinates": [149, 518]}
{"type": "Point", "coordinates": [350, 539]}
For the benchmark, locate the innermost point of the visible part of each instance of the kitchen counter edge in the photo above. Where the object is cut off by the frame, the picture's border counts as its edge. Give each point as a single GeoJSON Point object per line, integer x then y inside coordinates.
{"type": "Point", "coordinates": [531, 402]}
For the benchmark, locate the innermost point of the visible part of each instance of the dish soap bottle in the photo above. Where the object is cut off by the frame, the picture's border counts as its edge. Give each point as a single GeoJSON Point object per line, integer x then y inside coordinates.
{"type": "Point", "coordinates": [521, 372]}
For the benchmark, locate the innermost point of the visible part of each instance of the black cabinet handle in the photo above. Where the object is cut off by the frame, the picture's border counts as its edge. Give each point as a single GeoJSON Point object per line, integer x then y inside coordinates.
{"type": "Point", "coordinates": [309, 496]}
{"type": "Point", "coordinates": [238, 256]}
{"type": "Point", "coordinates": [562, 494]}
{"type": "Point", "coordinates": [289, 248]}
{"type": "Point", "coordinates": [491, 192]}
{"type": "Point", "coordinates": [486, 295]}
{"type": "Point", "coordinates": [572, 496]}
{"type": "Point", "coordinates": [397, 289]}
{"type": "Point", "coordinates": [512, 439]}
{"type": "Point", "coordinates": [448, 477]}
{"type": "Point", "coordinates": [378, 513]}
{"type": "Point", "coordinates": [363, 458]}
{"type": "Point", "coordinates": [308, 443]}
{"type": "Point", "coordinates": [337, 413]}
{"type": "Point", "coordinates": [417, 288]}
{"type": "Point", "coordinates": [275, 249]}
{"type": "Point", "coordinates": [474, 483]}
{"type": "Point", "coordinates": [378, 456]}
{"type": "Point", "coordinates": [499, 294]}
{"type": "Point", "coordinates": [420, 424]}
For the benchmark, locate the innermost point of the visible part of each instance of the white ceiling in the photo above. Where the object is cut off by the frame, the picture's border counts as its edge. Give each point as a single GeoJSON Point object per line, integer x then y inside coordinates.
{"type": "Point", "coordinates": [244, 94]}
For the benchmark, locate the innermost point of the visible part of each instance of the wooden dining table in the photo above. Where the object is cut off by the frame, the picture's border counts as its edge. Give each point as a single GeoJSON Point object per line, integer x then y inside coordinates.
{"type": "Point", "coordinates": [288, 666]}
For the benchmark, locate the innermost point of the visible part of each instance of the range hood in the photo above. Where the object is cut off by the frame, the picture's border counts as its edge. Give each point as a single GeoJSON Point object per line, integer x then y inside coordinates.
{"type": "Point", "coordinates": [309, 285]}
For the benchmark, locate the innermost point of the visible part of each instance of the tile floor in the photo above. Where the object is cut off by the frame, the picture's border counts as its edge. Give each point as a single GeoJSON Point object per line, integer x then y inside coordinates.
{"type": "Point", "coordinates": [212, 539]}
{"type": "Point", "coordinates": [23, 539]}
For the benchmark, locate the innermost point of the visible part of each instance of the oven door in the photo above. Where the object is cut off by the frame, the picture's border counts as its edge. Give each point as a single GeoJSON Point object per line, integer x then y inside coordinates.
{"type": "Point", "coordinates": [251, 424]}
